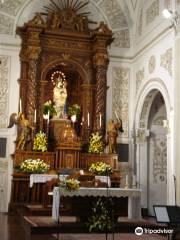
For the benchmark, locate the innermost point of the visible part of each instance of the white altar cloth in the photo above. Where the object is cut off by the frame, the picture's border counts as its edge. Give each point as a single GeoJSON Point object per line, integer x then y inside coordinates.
{"type": "Point", "coordinates": [134, 198]}
{"type": "Point", "coordinates": [41, 178]}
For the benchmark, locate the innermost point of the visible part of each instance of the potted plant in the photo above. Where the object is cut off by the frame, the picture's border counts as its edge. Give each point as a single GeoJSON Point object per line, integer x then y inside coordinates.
{"type": "Point", "coordinates": [100, 219]}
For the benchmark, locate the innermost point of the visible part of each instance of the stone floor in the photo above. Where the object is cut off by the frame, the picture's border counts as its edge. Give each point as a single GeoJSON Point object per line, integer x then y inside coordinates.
{"type": "Point", "coordinates": [10, 229]}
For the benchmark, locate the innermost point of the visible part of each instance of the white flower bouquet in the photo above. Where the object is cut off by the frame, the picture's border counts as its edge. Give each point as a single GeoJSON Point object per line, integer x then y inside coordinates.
{"type": "Point", "coordinates": [100, 168]}
{"type": "Point", "coordinates": [34, 166]}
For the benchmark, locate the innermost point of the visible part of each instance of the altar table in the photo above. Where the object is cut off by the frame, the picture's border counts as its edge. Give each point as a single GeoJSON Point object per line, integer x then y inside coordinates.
{"type": "Point", "coordinates": [134, 198]}
{"type": "Point", "coordinates": [41, 178]}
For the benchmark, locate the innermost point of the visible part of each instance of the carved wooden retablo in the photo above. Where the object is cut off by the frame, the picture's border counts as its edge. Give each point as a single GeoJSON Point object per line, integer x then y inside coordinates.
{"type": "Point", "coordinates": [59, 40]}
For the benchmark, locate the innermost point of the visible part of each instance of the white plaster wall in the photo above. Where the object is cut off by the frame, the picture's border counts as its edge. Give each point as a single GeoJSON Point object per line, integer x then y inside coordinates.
{"type": "Point", "coordinates": [13, 93]}
{"type": "Point", "coordinates": [161, 78]}
{"type": "Point", "coordinates": [121, 64]}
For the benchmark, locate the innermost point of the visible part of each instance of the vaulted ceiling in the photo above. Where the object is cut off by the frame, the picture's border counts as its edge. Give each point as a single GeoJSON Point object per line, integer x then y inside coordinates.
{"type": "Point", "coordinates": [130, 20]}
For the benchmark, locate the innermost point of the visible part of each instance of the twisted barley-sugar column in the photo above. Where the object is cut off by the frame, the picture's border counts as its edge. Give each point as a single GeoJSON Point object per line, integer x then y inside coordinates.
{"type": "Point", "coordinates": [100, 63]}
{"type": "Point", "coordinates": [32, 71]}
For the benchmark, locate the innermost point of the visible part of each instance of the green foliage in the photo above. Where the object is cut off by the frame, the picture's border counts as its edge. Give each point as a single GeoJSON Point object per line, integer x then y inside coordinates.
{"type": "Point", "coordinates": [75, 109]}
{"type": "Point", "coordinates": [49, 107]}
{"type": "Point", "coordinates": [100, 219]}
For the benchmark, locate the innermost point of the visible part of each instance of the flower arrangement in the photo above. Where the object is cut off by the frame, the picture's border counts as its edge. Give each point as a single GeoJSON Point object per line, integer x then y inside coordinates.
{"type": "Point", "coordinates": [70, 184]}
{"type": "Point", "coordinates": [34, 166]}
{"type": "Point", "coordinates": [75, 109]}
{"type": "Point", "coordinates": [49, 108]}
{"type": "Point", "coordinates": [101, 219]}
{"type": "Point", "coordinates": [100, 168]}
{"type": "Point", "coordinates": [95, 143]}
{"type": "Point", "coordinates": [40, 142]}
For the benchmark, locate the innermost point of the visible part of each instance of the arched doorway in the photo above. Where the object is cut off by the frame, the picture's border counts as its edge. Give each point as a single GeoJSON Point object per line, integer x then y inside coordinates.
{"type": "Point", "coordinates": [153, 159]}
{"type": "Point", "coordinates": [156, 154]}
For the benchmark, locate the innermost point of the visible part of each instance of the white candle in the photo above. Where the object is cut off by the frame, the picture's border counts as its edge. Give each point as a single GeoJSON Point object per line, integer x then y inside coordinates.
{"type": "Point", "coordinates": [88, 119]}
{"type": "Point", "coordinates": [35, 115]}
{"type": "Point", "coordinates": [134, 180]}
{"type": "Point", "coordinates": [20, 105]}
{"type": "Point", "coordinates": [48, 117]}
{"type": "Point", "coordinates": [127, 180]}
{"type": "Point", "coordinates": [100, 123]}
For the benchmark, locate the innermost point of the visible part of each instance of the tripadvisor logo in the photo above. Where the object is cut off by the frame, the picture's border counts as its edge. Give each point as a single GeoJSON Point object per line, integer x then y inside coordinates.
{"type": "Point", "coordinates": [139, 231]}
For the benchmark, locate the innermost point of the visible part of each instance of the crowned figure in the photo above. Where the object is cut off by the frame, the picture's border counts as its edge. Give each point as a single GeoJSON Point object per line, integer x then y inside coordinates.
{"type": "Point", "coordinates": [59, 97]}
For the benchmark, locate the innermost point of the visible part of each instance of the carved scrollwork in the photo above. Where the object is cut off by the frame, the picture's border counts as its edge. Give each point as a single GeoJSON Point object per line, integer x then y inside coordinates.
{"type": "Point", "coordinates": [60, 17]}
{"type": "Point", "coordinates": [103, 28]}
{"type": "Point", "coordinates": [31, 52]}
{"type": "Point", "coordinates": [100, 59]}
{"type": "Point", "coordinates": [37, 20]}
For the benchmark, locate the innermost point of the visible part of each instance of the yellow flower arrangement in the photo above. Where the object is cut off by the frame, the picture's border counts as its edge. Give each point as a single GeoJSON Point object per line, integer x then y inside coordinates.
{"type": "Point", "coordinates": [100, 168]}
{"type": "Point", "coordinates": [40, 142]}
{"type": "Point", "coordinates": [70, 184]}
{"type": "Point", "coordinates": [96, 144]}
{"type": "Point", "coordinates": [34, 166]}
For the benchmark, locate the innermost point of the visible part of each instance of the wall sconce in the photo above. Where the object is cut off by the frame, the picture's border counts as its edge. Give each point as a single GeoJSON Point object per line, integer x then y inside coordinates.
{"type": "Point", "coordinates": [172, 16]}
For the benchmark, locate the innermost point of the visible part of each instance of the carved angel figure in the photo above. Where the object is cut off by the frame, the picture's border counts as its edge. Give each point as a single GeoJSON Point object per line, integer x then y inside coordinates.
{"type": "Point", "coordinates": [59, 97]}
{"type": "Point", "coordinates": [112, 134]}
{"type": "Point", "coordinates": [25, 131]}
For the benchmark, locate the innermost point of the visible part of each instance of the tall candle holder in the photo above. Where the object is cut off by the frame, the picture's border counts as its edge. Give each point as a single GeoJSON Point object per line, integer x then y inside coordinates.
{"type": "Point", "coordinates": [134, 184]}
{"type": "Point", "coordinates": [127, 182]}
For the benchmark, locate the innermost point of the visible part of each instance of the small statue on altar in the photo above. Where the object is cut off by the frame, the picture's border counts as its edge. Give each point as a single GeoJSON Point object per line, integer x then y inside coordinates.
{"type": "Point", "coordinates": [59, 97]}
{"type": "Point", "coordinates": [112, 134]}
{"type": "Point", "coordinates": [25, 130]}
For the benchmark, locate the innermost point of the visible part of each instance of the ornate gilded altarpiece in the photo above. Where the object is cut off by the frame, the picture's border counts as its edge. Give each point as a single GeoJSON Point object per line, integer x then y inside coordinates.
{"type": "Point", "coordinates": [59, 39]}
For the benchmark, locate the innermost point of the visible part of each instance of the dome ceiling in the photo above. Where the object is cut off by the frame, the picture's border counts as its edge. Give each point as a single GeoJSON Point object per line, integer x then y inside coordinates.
{"type": "Point", "coordinates": [110, 11]}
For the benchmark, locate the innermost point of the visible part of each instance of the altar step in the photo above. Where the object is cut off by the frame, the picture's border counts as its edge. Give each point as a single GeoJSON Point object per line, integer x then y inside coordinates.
{"type": "Point", "coordinates": [46, 225]}
{"type": "Point", "coordinates": [38, 210]}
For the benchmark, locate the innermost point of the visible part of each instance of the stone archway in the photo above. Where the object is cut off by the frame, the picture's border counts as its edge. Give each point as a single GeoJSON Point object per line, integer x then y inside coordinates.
{"type": "Point", "coordinates": [153, 161]}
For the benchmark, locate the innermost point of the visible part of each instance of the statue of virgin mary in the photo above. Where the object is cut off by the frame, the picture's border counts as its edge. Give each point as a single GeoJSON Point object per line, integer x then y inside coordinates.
{"type": "Point", "coordinates": [59, 97]}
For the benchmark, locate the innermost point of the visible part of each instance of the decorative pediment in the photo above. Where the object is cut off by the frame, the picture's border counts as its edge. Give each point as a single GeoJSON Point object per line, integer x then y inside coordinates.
{"type": "Point", "coordinates": [63, 15]}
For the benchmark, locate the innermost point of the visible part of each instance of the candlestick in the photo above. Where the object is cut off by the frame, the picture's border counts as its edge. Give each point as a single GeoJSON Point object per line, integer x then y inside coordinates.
{"type": "Point", "coordinates": [100, 123]}
{"type": "Point", "coordinates": [35, 115]}
{"type": "Point", "coordinates": [88, 119]}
